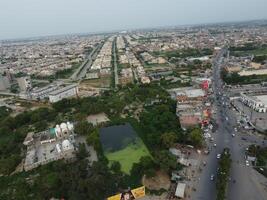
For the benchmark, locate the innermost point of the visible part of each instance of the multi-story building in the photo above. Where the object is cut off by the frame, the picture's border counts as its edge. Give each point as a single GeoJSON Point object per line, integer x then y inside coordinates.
{"type": "Point", "coordinates": [65, 92]}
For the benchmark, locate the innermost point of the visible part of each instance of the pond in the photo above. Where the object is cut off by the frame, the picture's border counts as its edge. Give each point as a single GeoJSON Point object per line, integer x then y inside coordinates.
{"type": "Point", "coordinates": [115, 138]}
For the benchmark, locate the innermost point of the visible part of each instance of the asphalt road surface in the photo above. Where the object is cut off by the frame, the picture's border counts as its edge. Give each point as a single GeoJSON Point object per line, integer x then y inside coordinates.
{"type": "Point", "coordinates": [249, 184]}
{"type": "Point", "coordinates": [82, 70]}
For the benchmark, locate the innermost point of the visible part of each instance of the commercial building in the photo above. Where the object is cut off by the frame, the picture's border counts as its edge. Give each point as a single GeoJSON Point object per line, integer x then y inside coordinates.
{"type": "Point", "coordinates": [65, 92]}
{"type": "Point", "coordinates": [43, 92]}
{"type": "Point", "coordinates": [187, 94]}
{"type": "Point", "coordinates": [258, 103]}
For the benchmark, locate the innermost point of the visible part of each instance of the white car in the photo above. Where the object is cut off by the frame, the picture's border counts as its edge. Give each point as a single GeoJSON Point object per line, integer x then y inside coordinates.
{"type": "Point", "coordinates": [233, 135]}
{"type": "Point", "coordinates": [214, 144]}
{"type": "Point", "coordinates": [218, 156]}
{"type": "Point", "coordinates": [247, 163]}
{"type": "Point", "coordinates": [212, 177]}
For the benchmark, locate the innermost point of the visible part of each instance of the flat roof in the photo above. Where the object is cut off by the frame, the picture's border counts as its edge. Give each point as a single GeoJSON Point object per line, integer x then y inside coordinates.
{"type": "Point", "coordinates": [262, 98]}
{"type": "Point", "coordinates": [180, 190]}
{"type": "Point", "coordinates": [56, 92]}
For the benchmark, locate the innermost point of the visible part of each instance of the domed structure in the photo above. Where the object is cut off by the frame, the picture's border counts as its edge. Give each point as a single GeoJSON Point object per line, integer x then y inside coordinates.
{"type": "Point", "coordinates": [58, 131]}
{"type": "Point", "coordinates": [63, 126]}
{"type": "Point", "coordinates": [70, 126]}
{"type": "Point", "coordinates": [66, 145]}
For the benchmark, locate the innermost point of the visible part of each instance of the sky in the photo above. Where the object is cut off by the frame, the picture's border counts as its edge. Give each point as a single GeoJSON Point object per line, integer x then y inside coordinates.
{"type": "Point", "coordinates": [30, 18]}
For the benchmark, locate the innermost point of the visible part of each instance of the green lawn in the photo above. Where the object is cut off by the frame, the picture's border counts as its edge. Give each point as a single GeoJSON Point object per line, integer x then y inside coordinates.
{"type": "Point", "coordinates": [128, 156]}
{"type": "Point", "coordinates": [256, 52]}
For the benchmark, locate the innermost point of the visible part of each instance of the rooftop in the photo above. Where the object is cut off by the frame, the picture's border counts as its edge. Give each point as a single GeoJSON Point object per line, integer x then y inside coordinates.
{"type": "Point", "coordinates": [56, 92]}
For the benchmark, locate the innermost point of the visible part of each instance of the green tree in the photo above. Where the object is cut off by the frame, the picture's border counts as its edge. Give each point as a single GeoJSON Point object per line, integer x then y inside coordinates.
{"type": "Point", "coordinates": [166, 161]}
{"type": "Point", "coordinates": [169, 139]}
{"type": "Point", "coordinates": [115, 167]}
{"type": "Point", "coordinates": [82, 152]}
{"type": "Point", "coordinates": [83, 128]}
{"type": "Point", "coordinates": [93, 139]}
{"type": "Point", "coordinates": [196, 137]}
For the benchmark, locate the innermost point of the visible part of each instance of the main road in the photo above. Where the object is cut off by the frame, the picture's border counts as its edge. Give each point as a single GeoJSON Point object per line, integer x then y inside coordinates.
{"type": "Point", "coordinates": [248, 184]}
{"type": "Point", "coordinates": [115, 62]}
{"type": "Point", "coordinates": [82, 70]}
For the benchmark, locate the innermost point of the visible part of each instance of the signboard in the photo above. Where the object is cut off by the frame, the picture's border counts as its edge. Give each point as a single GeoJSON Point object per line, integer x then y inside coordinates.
{"type": "Point", "coordinates": [130, 195]}
{"type": "Point", "coordinates": [139, 192]}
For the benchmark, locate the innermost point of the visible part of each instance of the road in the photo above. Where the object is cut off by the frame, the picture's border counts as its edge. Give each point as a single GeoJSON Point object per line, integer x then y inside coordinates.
{"type": "Point", "coordinates": [116, 78]}
{"type": "Point", "coordinates": [82, 70]}
{"type": "Point", "coordinates": [249, 184]}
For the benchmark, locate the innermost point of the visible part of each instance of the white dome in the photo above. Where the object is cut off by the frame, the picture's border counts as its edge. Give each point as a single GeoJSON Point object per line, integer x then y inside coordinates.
{"type": "Point", "coordinates": [66, 145]}
{"type": "Point", "coordinates": [70, 126]}
{"type": "Point", "coordinates": [63, 125]}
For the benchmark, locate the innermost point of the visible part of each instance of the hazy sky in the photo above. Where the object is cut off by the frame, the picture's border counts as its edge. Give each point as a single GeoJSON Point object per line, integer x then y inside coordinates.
{"type": "Point", "coordinates": [27, 18]}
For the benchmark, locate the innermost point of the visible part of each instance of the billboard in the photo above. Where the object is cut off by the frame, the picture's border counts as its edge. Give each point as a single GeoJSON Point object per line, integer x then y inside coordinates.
{"type": "Point", "coordinates": [130, 195]}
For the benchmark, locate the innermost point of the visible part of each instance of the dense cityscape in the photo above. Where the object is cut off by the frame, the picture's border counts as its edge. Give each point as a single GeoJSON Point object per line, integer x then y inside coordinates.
{"type": "Point", "coordinates": [149, 114]}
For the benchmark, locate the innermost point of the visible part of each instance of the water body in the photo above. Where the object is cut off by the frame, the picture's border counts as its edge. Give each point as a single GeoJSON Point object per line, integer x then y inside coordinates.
{"type": "Point", "coordinates": [115, 138]}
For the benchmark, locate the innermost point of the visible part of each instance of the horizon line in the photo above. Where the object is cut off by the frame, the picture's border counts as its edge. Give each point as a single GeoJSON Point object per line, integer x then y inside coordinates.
{"type": "Point", "coordinates": [18, 39]}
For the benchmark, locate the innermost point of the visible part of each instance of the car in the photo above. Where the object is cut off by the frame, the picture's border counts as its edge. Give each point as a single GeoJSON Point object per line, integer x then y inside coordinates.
{"type": "Point", "coordinates": [226, 118]}
{"type": "Point", "coordinates": [218, 156]}
{"type": "Point", "coordinates": [214, 144]}
{"type": "Point", "coordinates": [233, 135]}
{"type": "Point", "coordinates": [212, 177]}
{"type": "Point", "coordinates": [235, 129]}
{"type": "Point", "coordinates": [247, 163]}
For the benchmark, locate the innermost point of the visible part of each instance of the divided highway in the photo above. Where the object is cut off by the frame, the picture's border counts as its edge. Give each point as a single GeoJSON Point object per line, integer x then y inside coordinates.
{"type": "Point", "coordinates": [245, 182]}
{"type": "Point", "coordinates": [81, 71]}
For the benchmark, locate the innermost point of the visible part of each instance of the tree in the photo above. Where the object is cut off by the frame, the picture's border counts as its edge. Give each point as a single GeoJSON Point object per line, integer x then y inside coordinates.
{"type": "Point", "coordinates": [116, 167]}
{"type": "Point", "coordinates": [82, 152]}
{"type": "Point", "coordinates": [166, 161]}
{"type": "Point", "coordinates": [196, 137]}
{"type": "Point", "coordinates": [93, 139]}
{"type": "Point", "coordinates": [83, 128]}
{"type": "Point", "coordinates": [169, 139]}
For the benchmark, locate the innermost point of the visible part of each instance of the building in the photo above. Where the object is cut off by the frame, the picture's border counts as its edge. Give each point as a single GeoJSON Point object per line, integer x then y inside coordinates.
{"type": "Point", "coordinates": [25, 83]}
{"type": "Point", "coordinates": [49, 145]}
{"type": "Point", "coordinates": [65, 92]}
{"type": "Point", "coordinates": [180, 190]}
{"type": "Point", "coordinates": [4, 83]}
{"type": "Point", "coordinates": [190, 119]}
{"type": "Point", "coordinates": [43, 92]}
{"type": "Point", "coordinates": [187, 94]}
{"type": "Point", "coordinates": [257, 103]}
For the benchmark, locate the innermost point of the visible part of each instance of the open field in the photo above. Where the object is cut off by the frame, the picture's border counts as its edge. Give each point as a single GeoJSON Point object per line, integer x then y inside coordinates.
{"type": "Point", "coordinates": [100, 82]}
{"type": "Point", "coordinates": [255, 52]}
{"type": "Point", "coordinates": [129, 155]}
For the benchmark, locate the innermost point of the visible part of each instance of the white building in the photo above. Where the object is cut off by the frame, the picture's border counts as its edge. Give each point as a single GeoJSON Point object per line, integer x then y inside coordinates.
{"type": "Point", "coordinates": [4, 83]}
{"type": "Point", "coordinates": [66, 92]}
{"type": "Point", "coordinates": [41, 93]}
{"type": "Point", "coordinates": [257, 103]}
